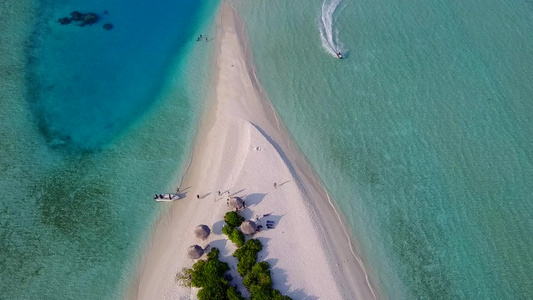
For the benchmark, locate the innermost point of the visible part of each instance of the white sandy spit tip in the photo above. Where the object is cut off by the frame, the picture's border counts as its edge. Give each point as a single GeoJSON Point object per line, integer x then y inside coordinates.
{"type": "Point", "coordinates": [240, 151]}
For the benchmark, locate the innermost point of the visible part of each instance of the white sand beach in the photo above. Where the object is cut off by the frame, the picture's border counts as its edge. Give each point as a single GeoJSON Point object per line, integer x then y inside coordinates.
{"type": "Point", "coordinates": [242, 148]}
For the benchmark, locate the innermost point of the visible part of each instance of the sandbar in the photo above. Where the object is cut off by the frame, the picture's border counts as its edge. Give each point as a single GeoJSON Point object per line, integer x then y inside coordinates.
{"type": "Point", "coordinates": [242, 149]}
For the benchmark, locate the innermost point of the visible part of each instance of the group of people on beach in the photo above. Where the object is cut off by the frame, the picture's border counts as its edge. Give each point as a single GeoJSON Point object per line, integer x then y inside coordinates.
{"type": "Point", "coordinates": [200, 38]}
{"type": "Point", "coordinates": [269, 223]}
{"type": "Point", "coordinates": [257, 217]}
{"type": "Point", "coordinates": [220, 193]}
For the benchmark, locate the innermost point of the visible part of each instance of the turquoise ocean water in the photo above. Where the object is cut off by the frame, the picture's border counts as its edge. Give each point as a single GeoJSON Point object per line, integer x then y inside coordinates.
{"type": "Point", "coordinates": [422, 134]}
{"type": "Point", "coordinates": [93, 123]}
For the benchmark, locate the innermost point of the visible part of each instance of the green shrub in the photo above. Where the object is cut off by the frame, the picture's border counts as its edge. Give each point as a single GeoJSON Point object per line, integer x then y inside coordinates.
{"type": "Point", "coordinates": [198, 275]}
{"type": "Point", "coordinates": [233, 294]}
{"type": "Point", "coordinates": [261, 292]}
{"type": "Point", "coordinates": [266, 292]}
{"type": "Point", "coordinates": [256, 275]}
{"type": "Point", "coordinates": [208, 275]}
{"type": "Point", "coordinates": [253, 245]}
{"type": "Point", "coordinates": [276, 295]}
{"type": "Point", "coordinates": [237, 237]}
{"type": "Point", "coordinates": [213, 254]}
{"type": "Point", "coordinates": [208, 272]}
{"type": "Point", "coordinates": [247, 256]}
{"type": "Point", "coordinates": [259, 282]}
{"type": "Point", "coordinates": [259, 275]}
{"type": "Point", "coordinates": [213, 292]}
{"type": "Point", "coordinates": [227, 230]}
{"type": "Point", "coordinates": [234, 235]}
{"type": "Point", "coordinates": [233, 219]}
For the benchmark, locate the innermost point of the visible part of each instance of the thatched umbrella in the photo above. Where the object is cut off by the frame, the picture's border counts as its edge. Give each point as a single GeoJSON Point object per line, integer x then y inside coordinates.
{"type": "Point", "coordinates": [236, 203]}
{"type": "Point", "coordinates": [248, 227]}
{"type": "Point", "coordinates": [202, 231]}
{"type": "Point", "coordinates": [195, 252]}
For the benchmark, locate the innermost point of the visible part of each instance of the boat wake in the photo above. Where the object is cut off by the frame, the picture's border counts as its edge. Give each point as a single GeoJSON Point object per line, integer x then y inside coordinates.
{"type": "Point", "coordinates": [328, 34]}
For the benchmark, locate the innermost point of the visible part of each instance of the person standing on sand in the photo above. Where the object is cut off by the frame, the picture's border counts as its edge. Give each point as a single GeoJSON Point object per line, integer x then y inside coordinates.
{"type": "Point", "coordinates": [275, 185]}
{"type": "Point", "coordinates": [198, 196]}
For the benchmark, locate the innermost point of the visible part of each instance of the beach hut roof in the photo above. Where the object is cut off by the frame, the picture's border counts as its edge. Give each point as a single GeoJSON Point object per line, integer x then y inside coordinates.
{"type": "Point", "coordinates": [248, 227]}
{"type": "Point", "coordinates": [202, 231]}
{"type": "Point", "coordinates": [195, 252]}
{"type": "Point", "coordinates": [236, 202]}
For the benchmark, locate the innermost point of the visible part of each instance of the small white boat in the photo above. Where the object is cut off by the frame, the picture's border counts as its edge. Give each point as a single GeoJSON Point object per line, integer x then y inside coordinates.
{"type": "Point", "coordinates": [339, 55]}
{"type": "Point", "coordinates": [166, 197]}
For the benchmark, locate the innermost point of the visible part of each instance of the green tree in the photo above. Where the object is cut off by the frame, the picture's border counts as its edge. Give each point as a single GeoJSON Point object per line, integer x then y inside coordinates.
{"type": "Point", "coordinates": [233, 219]}
{"type": "Point", "coordinates": [213, 292]}
{"type": "Point", "coordinates": [233, 294]}
{"type": "Point", "coordinates": [247, 256]}
{"type": "Point", "coordinates": [259, 275]}
{"type": "Point", "coordinates": [213, 254]}
{"type": "Point", "coordinates": [261, 292]}
{"type": "Point", "coordinates": [227, 230]}
{"type": "Point", "coordinates": [256, 274]}
{"type": "Point", "coordinates": [208, 275]}
{"type": "Point", "coordinates": [199, 278]}
{"type": "Point", "coordinates": [237, 237]}
{"type": "Point", "coordinates": [276, 295]}
{"type": "Point", "coordinates": [234, 235]}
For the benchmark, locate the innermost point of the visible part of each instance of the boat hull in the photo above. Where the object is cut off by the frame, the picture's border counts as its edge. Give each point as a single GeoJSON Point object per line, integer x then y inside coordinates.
{"type": "Point", "coordinates": [166, 197]}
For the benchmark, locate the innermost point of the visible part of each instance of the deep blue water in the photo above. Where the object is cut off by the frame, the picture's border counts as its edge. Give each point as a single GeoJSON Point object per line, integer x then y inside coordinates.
{"type": "Point", "coordinates": [88, 84]}
{"type": "Point", "coordinates": [92, 123]}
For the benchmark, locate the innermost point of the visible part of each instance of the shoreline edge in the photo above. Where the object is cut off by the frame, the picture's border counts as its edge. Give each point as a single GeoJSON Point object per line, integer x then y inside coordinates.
{"type": "Point", "coordinates": [239, 132]}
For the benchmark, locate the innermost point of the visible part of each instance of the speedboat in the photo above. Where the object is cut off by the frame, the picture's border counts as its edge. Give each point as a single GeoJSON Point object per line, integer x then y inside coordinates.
{"type": "Point", "coordinates": [339, 55]}
{"type": "Point", "coordinates": [166, 197]}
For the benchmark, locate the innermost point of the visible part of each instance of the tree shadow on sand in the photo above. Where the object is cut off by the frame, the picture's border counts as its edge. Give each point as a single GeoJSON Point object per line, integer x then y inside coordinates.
{"type": "Point", "coordinates": [279, 282]}
{"type": "Point", "coordinates": [220, 244]}
{"type": "Point", "coordinates": [250, 200]}
{"type": "Point", "coordinates": [254, 199]}
{"type": "Point", "coordinates": [279, 276]}
{"type": "Point", "coordinates": [226, 255]}
{"type": "Point", "coordinates": [217, 227]}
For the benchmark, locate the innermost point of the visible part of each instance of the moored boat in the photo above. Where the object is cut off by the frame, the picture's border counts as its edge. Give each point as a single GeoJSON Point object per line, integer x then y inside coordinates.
{"type": "Point", "coordinates": [166, 197]}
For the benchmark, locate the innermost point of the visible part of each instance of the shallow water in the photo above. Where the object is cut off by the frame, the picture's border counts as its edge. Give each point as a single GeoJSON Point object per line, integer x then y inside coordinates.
{"type": "Point", "coordinates": [94, 122]}
{"type": "Point", "coordinates": [421, 134]}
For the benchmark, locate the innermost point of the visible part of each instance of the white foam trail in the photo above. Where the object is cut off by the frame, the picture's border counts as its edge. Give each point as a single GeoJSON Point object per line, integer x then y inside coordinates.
{"type": "Point", "coordinates": [329, 37]}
